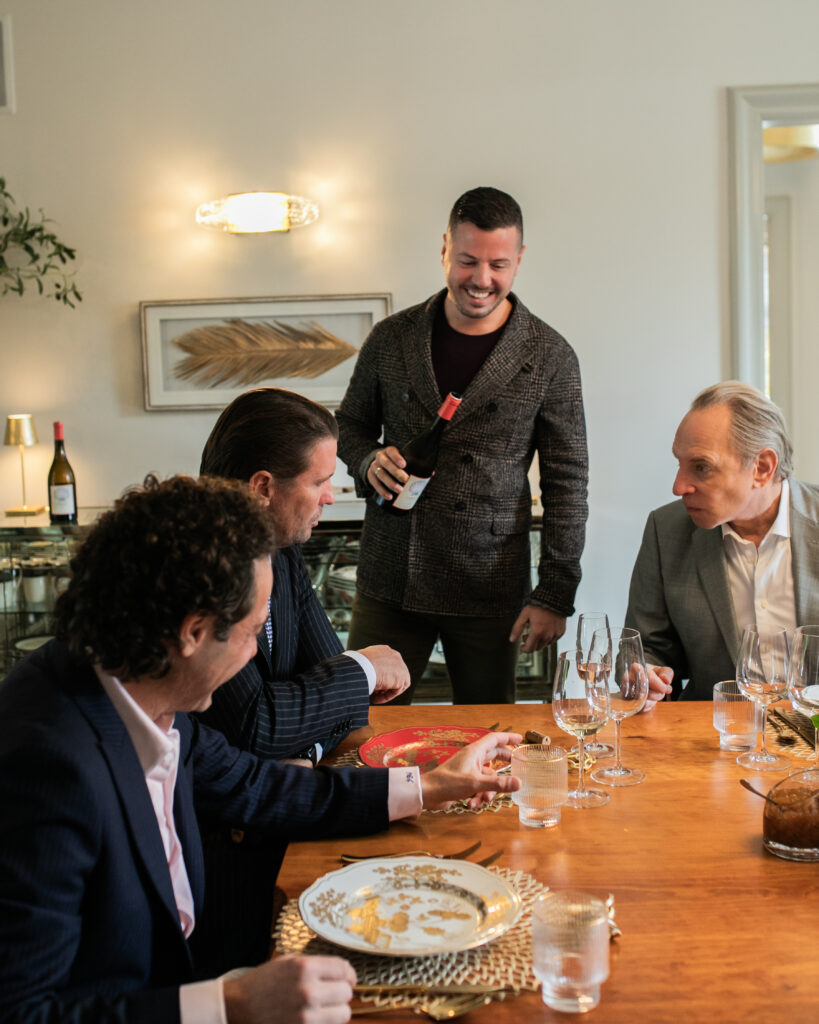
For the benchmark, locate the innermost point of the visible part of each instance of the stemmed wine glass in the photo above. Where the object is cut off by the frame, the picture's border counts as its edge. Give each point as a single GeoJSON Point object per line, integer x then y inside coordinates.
{"type": "Point", "coordinates": [575, 714]}
{"type": "Point", "coordinates": [619, 687]}
{"type": "Point", "coordinates": [762, 675]}
{"type": "Point", "coordinates": [803, 680]}
{"type": "Point", "coordinates": [587, 623]}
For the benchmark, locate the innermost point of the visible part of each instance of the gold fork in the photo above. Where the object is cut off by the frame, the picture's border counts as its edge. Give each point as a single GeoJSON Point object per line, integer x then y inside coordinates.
{"type": "Point", "coordinates": [438, 1007]}
{"type": "Point", "coordinates": [354, 858]}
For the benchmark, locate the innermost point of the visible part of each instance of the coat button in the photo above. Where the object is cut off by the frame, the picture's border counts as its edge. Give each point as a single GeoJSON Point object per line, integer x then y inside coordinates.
{"type": "Point", "coordinates": [466, 459]}
{"type": "Point", "coordinates": [405, 397]}
{"type": "Point", "coordinates": [459, 506]}
{"type": "Point", "coordinates": [492, 407]}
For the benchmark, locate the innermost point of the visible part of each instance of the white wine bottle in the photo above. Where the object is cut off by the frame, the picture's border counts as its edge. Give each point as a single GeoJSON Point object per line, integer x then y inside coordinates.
{"type": "Point", "coordinates": [421, 454]}
{"type": "Point", "coordinates": [62, 488]}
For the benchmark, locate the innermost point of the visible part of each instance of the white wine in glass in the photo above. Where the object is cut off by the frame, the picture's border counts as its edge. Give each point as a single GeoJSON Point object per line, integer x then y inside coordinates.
{"type": "Point", "coordinates": [574, 714]}
{"type": "Point", "coordinates": [762, 675]}
{"type": "Point", "coordinates": [587, 623]}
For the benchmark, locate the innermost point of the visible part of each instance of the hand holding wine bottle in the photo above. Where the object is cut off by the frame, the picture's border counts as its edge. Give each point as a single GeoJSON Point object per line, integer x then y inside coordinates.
{"type": "Point", "coordinates": [398, 479]}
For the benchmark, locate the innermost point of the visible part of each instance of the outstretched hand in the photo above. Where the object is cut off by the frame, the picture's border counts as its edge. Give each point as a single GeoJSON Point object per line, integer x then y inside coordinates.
{"type": "Point", "coordinates": [472, 773]}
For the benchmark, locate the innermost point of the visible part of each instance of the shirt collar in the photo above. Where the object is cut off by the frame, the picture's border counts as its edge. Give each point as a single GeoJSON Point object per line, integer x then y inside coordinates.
{"type": "Point", "coordinates": [152, 744]}
{"type": "Point", "coordinates": [781, 526]}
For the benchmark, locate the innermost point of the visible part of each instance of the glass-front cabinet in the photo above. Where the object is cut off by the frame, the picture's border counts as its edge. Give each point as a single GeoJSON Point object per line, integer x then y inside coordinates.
{"type": "Point", "coordinates": [34, 567]}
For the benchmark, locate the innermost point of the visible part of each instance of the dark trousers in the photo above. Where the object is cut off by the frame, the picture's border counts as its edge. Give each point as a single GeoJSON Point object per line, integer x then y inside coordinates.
{"type": "Point", "coordinates": [479, 657]}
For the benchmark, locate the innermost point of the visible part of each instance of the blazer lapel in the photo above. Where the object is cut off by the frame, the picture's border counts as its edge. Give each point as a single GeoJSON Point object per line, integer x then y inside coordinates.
{"type": "Point", "coordinates": [129, 780]}
{"type": "Point", "coordinates": [804, 560]}
{"type": "Point", "coordinates": [418, 358]}
{"type": "Point", "coordinates": [709, 558]}
{"type": "Point", "coordinates": [507, 358]}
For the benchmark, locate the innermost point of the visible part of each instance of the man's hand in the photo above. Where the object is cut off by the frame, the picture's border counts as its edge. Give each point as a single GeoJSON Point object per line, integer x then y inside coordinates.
{"type": "Point", "coordinates": [391, 674]}
{"type": "Point", "coordinates": [385, 473]}
{"type": "Point", "coordinates": [659, 684]}
{"type": "Point", "coordinates": [469, 774]}
{"type": "Point", "coordinates": [544, 627]}
{"type": "Point", "coordinates": [292, 990]}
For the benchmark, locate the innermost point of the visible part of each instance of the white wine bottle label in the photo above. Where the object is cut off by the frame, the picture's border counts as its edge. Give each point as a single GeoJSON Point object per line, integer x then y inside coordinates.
{"type": "Point", "coordinates": [62, 501]}
{"type": "Point", "coordinates": [412, 491]}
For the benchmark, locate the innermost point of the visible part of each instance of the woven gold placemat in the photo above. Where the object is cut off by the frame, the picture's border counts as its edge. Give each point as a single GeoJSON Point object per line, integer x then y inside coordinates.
{"type": "Point", "coordinates": [505, 962]}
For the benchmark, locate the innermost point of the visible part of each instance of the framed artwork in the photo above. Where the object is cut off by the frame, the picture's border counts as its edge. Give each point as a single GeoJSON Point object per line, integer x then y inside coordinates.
{"type": "Point", "coordinates": [201, 354]}
{"type": "Point", "coordinates": [6, 67]}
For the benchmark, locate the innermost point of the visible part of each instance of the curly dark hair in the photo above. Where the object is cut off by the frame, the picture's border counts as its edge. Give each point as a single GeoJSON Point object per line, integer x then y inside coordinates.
{"type": "Point", "coordinates": [167, 549]}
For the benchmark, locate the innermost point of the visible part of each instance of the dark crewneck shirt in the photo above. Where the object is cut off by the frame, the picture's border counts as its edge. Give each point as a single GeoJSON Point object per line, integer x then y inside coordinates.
{"type": "Point", "coordinates": [456, 357]}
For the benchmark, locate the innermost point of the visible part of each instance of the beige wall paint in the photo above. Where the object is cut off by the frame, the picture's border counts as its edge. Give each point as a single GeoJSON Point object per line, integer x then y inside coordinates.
{"type": "Point", "coordinates": [606, 120]}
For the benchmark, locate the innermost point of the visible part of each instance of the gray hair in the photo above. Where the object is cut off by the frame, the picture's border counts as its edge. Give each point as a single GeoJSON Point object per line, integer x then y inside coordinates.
{"type": "Point", "coordinates": [756, 422]}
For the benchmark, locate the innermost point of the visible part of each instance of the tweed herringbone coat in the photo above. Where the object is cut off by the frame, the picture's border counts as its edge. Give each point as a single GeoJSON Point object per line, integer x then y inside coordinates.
{"type": "Point", "coordinates": [465, 548]}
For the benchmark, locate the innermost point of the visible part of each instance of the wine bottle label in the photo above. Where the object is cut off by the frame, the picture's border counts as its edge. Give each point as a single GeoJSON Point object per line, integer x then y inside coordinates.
{"type": "Point", "coordinates": [62, 500]}
{"type": "Point", "coordinates": [412, 491]}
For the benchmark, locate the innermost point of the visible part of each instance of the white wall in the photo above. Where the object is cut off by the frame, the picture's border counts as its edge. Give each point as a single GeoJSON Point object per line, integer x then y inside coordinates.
{"type": "Point", "coordinates": [606, 120]}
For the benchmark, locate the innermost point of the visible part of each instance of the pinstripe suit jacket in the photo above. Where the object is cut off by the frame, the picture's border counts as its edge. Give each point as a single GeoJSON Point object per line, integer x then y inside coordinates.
{"type": "Point", "coordinates": [680, 598]}
{"type": "Point", "coordinates": [465, 548]}
{"type": "Point", "coordinates": [88, 924]}
{"type": "Point", "coordinates": [308, 692]}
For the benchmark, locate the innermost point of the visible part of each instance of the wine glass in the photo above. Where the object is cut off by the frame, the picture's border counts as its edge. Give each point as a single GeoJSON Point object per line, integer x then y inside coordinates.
{"type": "Point", "coordinates": [762, 675]}
{"type": "Point", "coordinates": [803, 680]}
{"type": "Point", "coordinates": [619, 687]}
{"type": "Point", "coordinates": [574, 713]}
{"type": "Point", "coordinates": [587, 623]}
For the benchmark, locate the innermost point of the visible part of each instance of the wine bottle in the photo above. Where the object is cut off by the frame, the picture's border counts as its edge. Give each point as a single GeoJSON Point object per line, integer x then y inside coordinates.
{"type": "Point", "coordinates": [62, 489]}
{"type": "Point", "coordinates": [420, 455]}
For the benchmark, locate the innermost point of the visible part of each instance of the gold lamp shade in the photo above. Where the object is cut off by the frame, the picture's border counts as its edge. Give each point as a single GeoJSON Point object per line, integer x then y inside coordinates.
{"type": "Point", "coordinates": [21, 431]}
{"type": "Point", "coordinates": [790, 142]}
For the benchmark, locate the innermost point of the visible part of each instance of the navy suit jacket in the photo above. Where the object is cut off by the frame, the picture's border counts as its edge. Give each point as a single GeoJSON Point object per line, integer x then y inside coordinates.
{"type": "Point", "coordinates": [88, 925]}
{"type": "Point", "coordinates": [308, 692]}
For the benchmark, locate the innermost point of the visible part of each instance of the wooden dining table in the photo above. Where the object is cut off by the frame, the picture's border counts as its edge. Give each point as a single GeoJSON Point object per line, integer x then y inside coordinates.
{"type": "Point", "coordinates": [714, 928]}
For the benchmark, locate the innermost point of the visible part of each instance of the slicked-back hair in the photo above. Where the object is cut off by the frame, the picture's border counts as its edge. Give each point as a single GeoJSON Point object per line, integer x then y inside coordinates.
{"type": "Point", "coordinates": [166, 550]}
{"type": "Point", "coordinates": [756, 422]}
{"type": "Point", "coordinates": [488, 209]}
{"type": "Point", "coordinates": [266, 429]}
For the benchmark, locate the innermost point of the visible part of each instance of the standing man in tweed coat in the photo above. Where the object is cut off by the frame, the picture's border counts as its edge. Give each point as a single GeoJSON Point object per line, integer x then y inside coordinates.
{"type": "Point", "coordinates": [457, 566]}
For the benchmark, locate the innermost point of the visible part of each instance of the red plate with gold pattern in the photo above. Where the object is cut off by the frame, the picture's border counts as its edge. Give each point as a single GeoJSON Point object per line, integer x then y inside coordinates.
{"type": "Point", "coordinates": [425, 747]}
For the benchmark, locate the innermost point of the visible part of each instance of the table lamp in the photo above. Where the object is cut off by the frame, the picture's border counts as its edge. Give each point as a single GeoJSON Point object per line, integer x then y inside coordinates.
{"type": "Point", "coordinates": [20, 430]}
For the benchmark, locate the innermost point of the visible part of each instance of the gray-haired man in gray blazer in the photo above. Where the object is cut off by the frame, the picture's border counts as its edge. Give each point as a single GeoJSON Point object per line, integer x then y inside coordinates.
{"type": "Point", "coordinates": [741, 545]}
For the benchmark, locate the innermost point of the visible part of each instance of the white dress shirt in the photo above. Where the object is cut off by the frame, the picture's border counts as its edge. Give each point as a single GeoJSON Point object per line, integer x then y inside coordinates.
{"type": "Point", "coordinates": [761, 579]}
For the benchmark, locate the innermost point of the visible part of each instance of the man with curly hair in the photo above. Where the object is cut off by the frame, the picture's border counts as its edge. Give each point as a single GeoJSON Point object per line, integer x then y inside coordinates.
{"type": "Point", "coordinates": [103, 773]}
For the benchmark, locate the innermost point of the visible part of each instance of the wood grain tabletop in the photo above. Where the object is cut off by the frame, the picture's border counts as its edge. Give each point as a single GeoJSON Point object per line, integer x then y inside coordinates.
{"type": "Point", "coordinates": [714, 928]}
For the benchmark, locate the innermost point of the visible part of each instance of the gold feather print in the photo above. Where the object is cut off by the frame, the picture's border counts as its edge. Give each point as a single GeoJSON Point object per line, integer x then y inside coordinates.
{"type": "Point", "coordinates": [246, 353]}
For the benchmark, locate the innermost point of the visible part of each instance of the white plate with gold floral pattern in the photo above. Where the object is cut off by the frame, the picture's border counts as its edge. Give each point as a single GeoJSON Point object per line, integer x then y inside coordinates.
{"type": "Point", "coordinates": [410, 906]}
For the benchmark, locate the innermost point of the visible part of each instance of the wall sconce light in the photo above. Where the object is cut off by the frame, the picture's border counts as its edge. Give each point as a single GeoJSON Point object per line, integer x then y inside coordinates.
{"type": "Point", "coordinates": [790, 142]}
{"type": "Point", "coordinates": [257, 212]}
{"type": "Point", "coordinates": [20, 430]}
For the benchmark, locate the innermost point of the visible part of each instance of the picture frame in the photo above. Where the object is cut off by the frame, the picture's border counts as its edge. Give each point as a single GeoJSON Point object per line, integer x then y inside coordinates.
{"type": "Point", "coordinates": [203, 353]}
{"type": "Point", "coordinates": [7, 97]}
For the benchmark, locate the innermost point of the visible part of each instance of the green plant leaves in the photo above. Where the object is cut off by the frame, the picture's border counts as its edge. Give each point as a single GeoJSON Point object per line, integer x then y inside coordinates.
{"type": "Point", "coordinates": [29, 252]}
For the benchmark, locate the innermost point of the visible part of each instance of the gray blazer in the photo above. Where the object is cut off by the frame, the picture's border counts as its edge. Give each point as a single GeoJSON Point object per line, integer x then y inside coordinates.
{"type": "Point", "coordinates": [465, 547]}
{"type": "Point", "coordinates": [680, 598]}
